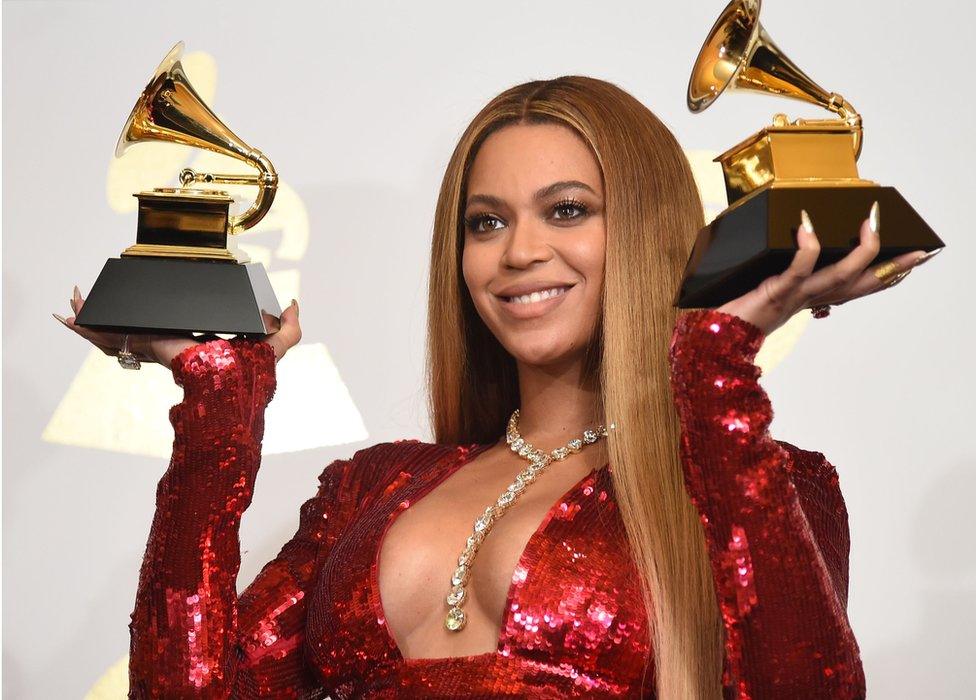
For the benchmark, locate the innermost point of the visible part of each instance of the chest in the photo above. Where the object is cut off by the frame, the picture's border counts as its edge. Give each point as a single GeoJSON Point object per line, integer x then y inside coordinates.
{"type": "Point", "coordinates": [553, 584]}
{"type": "Point", "coordinates": [418, 554]}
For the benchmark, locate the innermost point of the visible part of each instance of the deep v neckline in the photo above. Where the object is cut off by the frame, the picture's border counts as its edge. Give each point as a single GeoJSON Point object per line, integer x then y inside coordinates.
{"type": "Point", "coordinates": [527, 551]}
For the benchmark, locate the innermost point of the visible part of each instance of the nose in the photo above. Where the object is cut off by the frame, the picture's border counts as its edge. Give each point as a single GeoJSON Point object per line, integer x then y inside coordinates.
{"type": "Point", "coordinates": [527, 243]}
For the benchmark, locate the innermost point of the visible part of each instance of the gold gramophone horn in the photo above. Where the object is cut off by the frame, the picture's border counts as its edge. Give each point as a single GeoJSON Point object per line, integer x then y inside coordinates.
{"type": "Point", "coordinates": [739, 55]}
{"type": "Point", "coordinates": [170, 110]}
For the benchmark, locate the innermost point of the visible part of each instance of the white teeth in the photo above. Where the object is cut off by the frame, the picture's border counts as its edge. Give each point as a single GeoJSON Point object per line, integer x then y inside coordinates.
{"type": "Point", "coordinates": [538, 296]}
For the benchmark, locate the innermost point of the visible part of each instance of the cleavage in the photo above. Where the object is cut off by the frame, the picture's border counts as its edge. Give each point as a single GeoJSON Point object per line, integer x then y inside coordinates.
{"type": "Point", "coordinates": [420, 548]}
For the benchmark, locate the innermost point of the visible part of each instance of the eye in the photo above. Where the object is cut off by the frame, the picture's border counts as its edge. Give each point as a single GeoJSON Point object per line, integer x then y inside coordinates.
{"type": "Point", "coordinates": [480, 223]}
{"type": "Point", "coordinates": [569, 209]}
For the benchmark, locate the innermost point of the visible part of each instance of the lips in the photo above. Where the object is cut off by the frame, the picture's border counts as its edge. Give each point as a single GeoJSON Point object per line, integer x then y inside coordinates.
{"type": "Point", "coordinates": [524, 288]}
{"type": "Point", "coordinates": [537, 301]}
{"type": "Point", "coordinates": [535, 297]}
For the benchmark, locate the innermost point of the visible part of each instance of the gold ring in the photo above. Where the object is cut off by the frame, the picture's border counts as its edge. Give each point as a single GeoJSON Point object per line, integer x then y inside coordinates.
{"type": "Point", "coordinates": [887, 271]}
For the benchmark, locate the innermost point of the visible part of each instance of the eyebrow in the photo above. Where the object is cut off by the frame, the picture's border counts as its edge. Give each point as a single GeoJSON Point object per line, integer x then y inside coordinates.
{"type": "Point", "coordinates": [546, 191]}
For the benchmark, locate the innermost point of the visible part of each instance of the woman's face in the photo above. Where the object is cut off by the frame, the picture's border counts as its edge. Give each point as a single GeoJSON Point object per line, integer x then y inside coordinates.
{"type": "Point", "coordinates": [535, 241]}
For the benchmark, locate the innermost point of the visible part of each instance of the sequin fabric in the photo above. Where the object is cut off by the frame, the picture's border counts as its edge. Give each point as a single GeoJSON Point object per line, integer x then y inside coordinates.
{"type": "Point", "coordinates": [774, 520]}
{"type": "Point", "coordinates": [311, 625]}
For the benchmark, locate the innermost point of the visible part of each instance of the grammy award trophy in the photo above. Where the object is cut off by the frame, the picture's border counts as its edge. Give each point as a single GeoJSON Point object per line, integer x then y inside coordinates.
{"type": "Point", "coordinates": [770, 176]}
{"type": "Point", "coordinates": [185, 274]}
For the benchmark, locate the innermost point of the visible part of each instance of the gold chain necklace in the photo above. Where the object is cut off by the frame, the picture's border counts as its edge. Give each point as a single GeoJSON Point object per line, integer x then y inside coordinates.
{"type": "Point", "coordinates": [538, 462]}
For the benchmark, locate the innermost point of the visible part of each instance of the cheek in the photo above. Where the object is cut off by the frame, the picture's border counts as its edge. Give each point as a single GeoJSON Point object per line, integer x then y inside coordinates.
{"type": "Point", "coordinates": [588, 256]}
{"type": "Point", "coordinates": [476, 270]}
{"type": "Point", "coordinates": [468, 267]}
{"type": "Point", "coordinates": [589, 259]}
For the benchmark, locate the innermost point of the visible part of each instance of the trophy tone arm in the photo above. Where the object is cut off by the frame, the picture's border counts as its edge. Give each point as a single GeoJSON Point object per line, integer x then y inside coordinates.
{"type": "Point", "coordinates": [843, 109]}
{"type": "Point", "coordinates": [266, 181]}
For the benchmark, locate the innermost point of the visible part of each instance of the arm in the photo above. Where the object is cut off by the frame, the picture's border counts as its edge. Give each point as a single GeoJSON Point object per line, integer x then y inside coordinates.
{"type": "Point", "coordinates": [818, 489]}
{"type": "Point", "coordinates": [191, 636]}
{"type": "Point", "coordinates": [782, 594]}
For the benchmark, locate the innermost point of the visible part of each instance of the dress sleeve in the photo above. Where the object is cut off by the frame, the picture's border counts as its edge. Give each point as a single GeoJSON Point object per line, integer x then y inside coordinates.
{"type": "Point", "coordinates": [191, 636]}
{"type": "Point", "coordinates": [773, 518]}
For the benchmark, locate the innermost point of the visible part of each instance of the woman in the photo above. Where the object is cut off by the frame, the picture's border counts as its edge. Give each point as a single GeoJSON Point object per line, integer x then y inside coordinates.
{"type": "Point", "coordinates": [679, 551]}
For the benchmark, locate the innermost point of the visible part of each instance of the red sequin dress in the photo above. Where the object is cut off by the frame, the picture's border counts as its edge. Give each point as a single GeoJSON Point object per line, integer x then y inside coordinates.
{"type": "Point", "coordinates": [311, 624]}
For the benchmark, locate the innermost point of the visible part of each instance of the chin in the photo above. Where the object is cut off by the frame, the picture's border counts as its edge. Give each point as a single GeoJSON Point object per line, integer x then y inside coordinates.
{"type": "Point", "coordinates": [543, 352]}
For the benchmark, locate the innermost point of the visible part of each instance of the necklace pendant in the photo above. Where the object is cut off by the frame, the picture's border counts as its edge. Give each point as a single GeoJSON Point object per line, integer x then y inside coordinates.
{"type": "Point", "coordinates": [538, 463]}
{"type": "Point", "coordinates": [460, 576]}
{"type": "Point", "coordinates": [456, 597]}
{"type": "Point", "coordinates": [455, 620]}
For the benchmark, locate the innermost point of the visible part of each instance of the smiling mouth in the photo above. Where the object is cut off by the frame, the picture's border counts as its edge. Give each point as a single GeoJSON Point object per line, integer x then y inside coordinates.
{"type": "Point", "coordinates": [536, 297]}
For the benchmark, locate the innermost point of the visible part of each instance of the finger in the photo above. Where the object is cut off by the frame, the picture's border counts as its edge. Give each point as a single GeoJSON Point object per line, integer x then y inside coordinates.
{"type": "Point", "coordinates": [781, 288]}
{"type": "Point", "coordinates": [76, 300]}
{"type": "Point", "coordinates": [875, 279]}
{"type": "Point", "coordinates": [832, 278]}
{"type": "Point", "coordinates": [100, 338]}
{"type": "Point", "coordinates": [107, 350]}
{"type": "Point", "coordinates": [271, 322]}
{"type": "Point", "coordinates": [897, 280]}
{"type": "Point", "coordinates": [880, 276]}
{"type": "Point", "coordinates": [289, 332]}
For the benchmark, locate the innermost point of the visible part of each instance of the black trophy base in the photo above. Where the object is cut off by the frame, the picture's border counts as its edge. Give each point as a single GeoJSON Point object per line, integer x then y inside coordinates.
{"type": "Point", "coordinates": [178, 295]}
{"type": "Point", "coordinates": [756, 238]}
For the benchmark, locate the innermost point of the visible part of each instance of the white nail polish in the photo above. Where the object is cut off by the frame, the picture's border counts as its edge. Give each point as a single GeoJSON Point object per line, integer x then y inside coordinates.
{"type": "Point", "coordinates": [928, 256]}
{"type": "Point", "coordinates": [805, 220]}
{"type": "Point", "coordinates": [874, 219]}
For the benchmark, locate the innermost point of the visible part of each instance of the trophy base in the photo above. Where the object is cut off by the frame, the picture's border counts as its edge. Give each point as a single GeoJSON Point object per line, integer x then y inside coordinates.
{"type": "Point", "coordinates": [160, 295]}
{"type": "Point", "coordinates": [755, 238]}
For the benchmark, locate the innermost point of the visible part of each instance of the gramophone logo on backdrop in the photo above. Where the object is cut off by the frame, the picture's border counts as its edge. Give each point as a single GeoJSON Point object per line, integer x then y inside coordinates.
{"type": "Point", "coordinates": [312, 408]}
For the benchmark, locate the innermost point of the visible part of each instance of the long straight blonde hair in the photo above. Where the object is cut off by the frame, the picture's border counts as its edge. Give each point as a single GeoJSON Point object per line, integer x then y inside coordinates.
{"type": "Point", "coordinates": [653, 212]}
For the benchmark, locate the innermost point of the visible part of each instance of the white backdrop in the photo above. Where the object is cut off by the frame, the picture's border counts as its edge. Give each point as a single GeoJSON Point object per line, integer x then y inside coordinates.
{"type": "Point", "coordinates": [359, 106]}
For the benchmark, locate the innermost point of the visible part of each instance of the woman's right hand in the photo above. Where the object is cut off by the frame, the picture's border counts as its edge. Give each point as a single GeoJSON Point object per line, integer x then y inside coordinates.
{"type": "Point", "coordinates": [162, 348]}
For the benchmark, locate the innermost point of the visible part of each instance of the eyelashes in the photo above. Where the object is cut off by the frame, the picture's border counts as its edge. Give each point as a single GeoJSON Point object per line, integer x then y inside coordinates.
{"type": "Point", "coordinates": [571, 203]}
{"type": "Point", "coordinates": [557, 213]}
{"type": "Point", "coordinates": [473, 222]}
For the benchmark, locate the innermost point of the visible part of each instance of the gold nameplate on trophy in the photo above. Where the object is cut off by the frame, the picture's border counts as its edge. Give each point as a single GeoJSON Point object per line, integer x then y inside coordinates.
{"type": "Point", "coordinates": [168, 280]}
{"type": "Point", "coordinates": [785, 167]}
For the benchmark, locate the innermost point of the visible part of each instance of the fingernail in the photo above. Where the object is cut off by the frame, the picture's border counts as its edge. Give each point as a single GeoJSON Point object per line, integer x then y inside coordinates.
{"type": "Point", "coordinates": [62, 319]}
{"type": "Point", "coordinates": [928, 256]}
{"type": "Point", "coordinates": [874, 220]}
{"type": "Point", "coordinates": [294, 302]}
{"type": "Point", "coordinates": [805, 220]}
{"type": "Point", "coordinates": [77, 293]}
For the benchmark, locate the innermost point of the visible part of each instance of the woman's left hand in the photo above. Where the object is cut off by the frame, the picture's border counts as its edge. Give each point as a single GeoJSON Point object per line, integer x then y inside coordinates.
{"type": "Point", "coordinates": [779, 297]}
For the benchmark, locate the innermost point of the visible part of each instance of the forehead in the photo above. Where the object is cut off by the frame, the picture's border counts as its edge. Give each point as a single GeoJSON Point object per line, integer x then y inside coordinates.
{"type": "Point", "coordinates": [519, 159]}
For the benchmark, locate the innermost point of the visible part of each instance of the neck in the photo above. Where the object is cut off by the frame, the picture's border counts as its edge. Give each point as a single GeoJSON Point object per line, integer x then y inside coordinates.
{"type": "Point", "coordinates": [557, 404]}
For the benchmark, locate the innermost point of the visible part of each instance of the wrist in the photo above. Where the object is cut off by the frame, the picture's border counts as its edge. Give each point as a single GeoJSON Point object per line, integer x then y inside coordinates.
{"type": "Point", "coordinates": [141, 347]}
